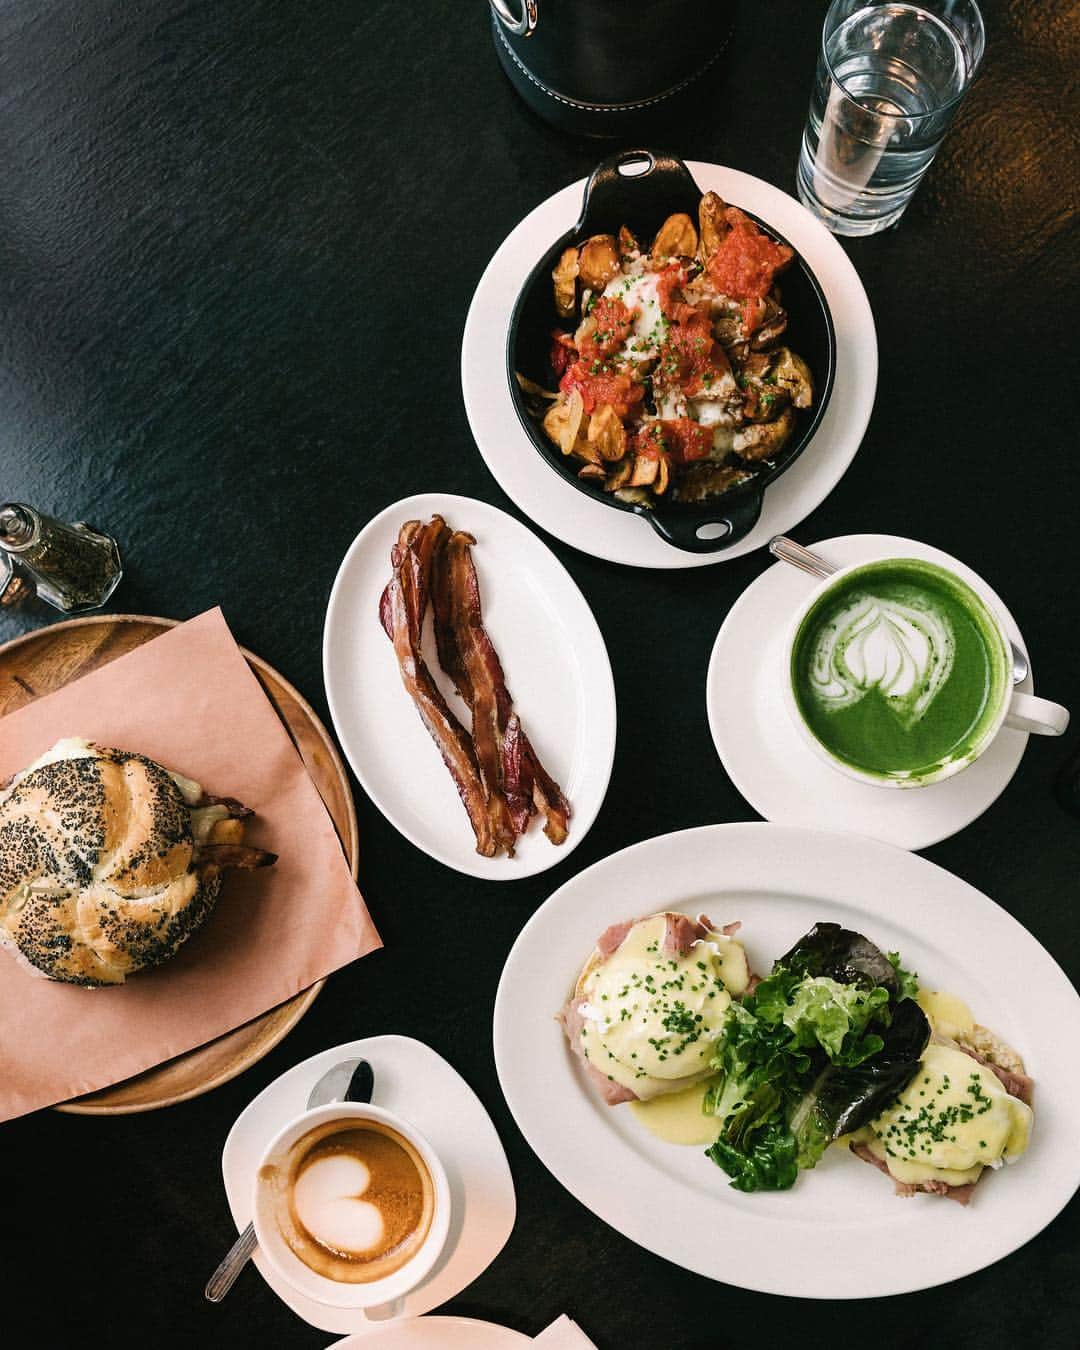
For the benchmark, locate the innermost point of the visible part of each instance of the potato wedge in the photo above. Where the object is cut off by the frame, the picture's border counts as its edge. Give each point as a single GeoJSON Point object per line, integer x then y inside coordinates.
{"type": "Point", "coordinates": [562, 421]}
{"type": "Point", "coordinates": [676, 238]}
{"type": "Point", "coordinates": [607, 433]}
{"type": "Point", "coordinates": [565, 278]}
{"type": "Point", "coordinates": [663, 476]}
{"type": "Point", "coordinates": [764, 440]}
{"type": "Point", "coordinates": [712, 225]}
{"type": "Point", "coordinates": [619, 476]}
{"type": "Point", "coordinates": [628, 244]}
{"type": "Point", "coordinates": [792, 374]}
{"type": "Point", "coordinates": [598, 261]}
{"type": "Point", "coordinates": [645, 472]}
{"type": "Point", "coordinates": [593, 473]}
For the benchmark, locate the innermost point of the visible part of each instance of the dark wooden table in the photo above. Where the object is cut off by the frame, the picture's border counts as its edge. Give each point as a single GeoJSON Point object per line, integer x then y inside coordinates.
{"type": "Point", "coordinates": [237, 245]}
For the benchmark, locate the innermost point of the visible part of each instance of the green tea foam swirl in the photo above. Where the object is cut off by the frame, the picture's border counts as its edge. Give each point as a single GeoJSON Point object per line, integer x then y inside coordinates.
{"type": "Point", "coordinates": [902, 650]}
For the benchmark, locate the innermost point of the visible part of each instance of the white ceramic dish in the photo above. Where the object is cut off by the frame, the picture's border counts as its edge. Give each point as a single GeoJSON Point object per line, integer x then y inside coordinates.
{"type": "Point", "coordinates": [840, 1232]}
{"type": "Point", "coordinates": [438, 1333]}
{"type": "Point", "coordinates": [770, 762]}
{"type": "Point", "coordinates": [556, 666]}
{"type": "Point", "coordinates": [618, 536]}
{"type": "Point", "coordinates": [414, 1082]}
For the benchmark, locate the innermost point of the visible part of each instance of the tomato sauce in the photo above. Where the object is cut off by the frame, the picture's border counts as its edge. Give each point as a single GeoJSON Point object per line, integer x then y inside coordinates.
{"type": "Point", "coordinates": [747, 261]}
{"type": "Point", "coordinates": [600, 386]}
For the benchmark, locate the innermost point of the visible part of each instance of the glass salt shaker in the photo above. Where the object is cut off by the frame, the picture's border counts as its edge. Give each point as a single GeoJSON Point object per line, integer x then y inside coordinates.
{"type": "Point", "coordinates": [72, 567]}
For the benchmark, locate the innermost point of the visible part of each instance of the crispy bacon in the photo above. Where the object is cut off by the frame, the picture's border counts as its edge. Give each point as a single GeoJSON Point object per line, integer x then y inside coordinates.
{"type": "Point", "coordinates": [237, 810]}
{"type": "Point", "coordinates": [498, 775]}
{"type": "Point", "coordinates": [401, 610]}
{"type": "Point", "coordinates": [232, 855]}
{"type": "Point", "coordinates": [518, 785]}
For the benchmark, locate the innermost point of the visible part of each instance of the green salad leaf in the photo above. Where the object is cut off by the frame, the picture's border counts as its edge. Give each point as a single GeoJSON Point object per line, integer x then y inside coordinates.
{"type": "Point", "coordinates": [821, 1046]}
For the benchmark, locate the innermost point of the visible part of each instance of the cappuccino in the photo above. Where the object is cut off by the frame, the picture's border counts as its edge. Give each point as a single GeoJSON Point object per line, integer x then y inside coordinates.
{"type": "Point", "coordinates": [353, 1199]}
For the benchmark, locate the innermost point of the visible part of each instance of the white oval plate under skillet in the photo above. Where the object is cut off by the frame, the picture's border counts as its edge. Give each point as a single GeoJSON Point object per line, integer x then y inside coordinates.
{"type": "Point", "coordinates": [771, 764]}
{"type": "Point", "coordinates": [619, 536]}
{"type": "Point", "coordinates": [840, 1232]}
{"type": "Point", "coordinates": [556, 667]}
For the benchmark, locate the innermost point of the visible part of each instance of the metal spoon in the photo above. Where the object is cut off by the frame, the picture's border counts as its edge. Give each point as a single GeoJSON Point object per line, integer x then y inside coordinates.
{"type": "Point", "coordinates": [787, 550]}
{"type": "Point", "coordinates": [353, 1080]}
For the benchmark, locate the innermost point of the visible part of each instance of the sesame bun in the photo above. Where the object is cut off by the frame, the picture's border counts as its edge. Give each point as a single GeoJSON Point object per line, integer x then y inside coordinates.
{"type": "Point", "coordinates": [109, 862]}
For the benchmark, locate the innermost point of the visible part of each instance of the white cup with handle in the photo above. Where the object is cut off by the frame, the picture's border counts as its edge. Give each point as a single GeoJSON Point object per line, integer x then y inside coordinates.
{"type": "Point", "coordinates": [899, 652]}
{"type": "Point", "coordinates": [282, 1237]}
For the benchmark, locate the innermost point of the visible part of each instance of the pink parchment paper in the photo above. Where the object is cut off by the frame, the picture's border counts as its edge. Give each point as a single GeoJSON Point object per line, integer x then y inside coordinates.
{"type": "Point", "coordinates": [187, 699]}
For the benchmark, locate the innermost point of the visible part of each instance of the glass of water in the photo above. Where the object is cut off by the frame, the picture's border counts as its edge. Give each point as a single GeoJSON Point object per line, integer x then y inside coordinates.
{"type": "Point", "coordinates": [890, 77]}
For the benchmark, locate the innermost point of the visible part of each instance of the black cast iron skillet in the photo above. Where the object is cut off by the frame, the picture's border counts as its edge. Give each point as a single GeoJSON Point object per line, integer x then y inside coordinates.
{"type": "Point", "coordinates": [642, 201]}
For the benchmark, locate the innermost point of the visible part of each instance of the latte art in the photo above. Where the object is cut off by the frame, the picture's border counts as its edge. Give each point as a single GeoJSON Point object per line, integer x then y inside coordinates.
{"type": "Point", "coordinates": [904, 651]}
{"type": "Point", "coordinates": [899, 671]}
{"type": "Point", "coordinates": [353, 1199]}
{"type": "Point", "coordinates": [329, 1202]}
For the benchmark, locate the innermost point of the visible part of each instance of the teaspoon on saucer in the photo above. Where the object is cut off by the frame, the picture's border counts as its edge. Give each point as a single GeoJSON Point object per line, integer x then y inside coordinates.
{"type": "Point", "coordinates": [787, 550]}
{"type": "Point", "coordinates": [353, 1080]}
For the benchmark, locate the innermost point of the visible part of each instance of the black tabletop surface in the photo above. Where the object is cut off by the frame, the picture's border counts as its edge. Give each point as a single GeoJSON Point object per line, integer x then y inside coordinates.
{"type": "Point", "coordinates": [238, 244]}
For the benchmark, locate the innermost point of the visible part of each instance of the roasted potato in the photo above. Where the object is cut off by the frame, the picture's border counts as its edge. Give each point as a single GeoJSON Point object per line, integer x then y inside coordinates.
{"type": "Point", "coordinates": [676, 238]}
{"type": "Point", "coordinates": [628, 244]}
{"type": "Point", "coordinates": [792, 374]}
{"type": "Point", "coordinates": [645, 471]}
{"type": "Point", "coordinates": [598, 261]}
{"type": "Point", "coordinates": [764, 440]}
{"type": "Point", "coordinates": [562, 421]}
{"type": "Point", "coordinates": [713, 228]}
{"type": "Point", "coordinates": [607, 433]}
{"type": "Point", "coordinates": [565, 278]}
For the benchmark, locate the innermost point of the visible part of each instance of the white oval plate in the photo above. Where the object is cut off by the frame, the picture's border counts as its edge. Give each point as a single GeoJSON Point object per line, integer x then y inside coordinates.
{"type": "Point", "coordinates": [840, 1232]}
{"type": "Point", "coordinates": [577, 519]}
{"type": "Point", "coordinates": [556, 666]}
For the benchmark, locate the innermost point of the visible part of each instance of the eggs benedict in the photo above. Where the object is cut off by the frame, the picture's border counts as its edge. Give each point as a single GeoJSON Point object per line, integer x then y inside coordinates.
{"type": "Point", "coordinates": [650, 1003]}
{"type": "Point", "coordinates": [967, 1108]}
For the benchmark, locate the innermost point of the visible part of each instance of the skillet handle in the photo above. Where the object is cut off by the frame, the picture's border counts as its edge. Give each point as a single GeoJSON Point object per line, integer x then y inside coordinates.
{"type": "Point", "coordinates": [521, 25]}
{"type": "Point", "coordinates": [734, 519]}
{"type": "Point", "coordinates": [664, 185]}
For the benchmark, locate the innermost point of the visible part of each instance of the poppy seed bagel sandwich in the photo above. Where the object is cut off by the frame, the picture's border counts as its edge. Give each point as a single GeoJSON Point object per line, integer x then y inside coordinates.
{"type": "Point", "coordinates": [109, 862]}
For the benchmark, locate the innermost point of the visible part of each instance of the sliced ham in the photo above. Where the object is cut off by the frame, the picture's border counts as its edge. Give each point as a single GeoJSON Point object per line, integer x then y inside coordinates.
{"type": "Point", "coordinates": [1015, 1084]}
{"type": "Point", "coordinates": [611, 939]}
{"type": "Point", "coordinates": [572, 1021]}
{"type": "Point", "coordinates": [961, 1194]}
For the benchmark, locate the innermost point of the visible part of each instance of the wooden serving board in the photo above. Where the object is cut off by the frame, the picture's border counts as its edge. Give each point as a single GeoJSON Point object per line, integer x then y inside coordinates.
{"type": "Point", "coordinates": [39, 663]}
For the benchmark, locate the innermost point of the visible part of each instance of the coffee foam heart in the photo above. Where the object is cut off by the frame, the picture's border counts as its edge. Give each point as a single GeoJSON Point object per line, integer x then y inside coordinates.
{"type": "Point", "coordinates": [328, 1198]}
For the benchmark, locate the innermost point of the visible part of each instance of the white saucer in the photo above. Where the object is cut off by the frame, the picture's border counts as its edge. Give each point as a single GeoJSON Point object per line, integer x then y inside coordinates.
{"type": "Point", "coordinates": [767, 759]}
{"type": "Point", "coordinates": [439, 1333]}
{"type": "Point", "coordinates": [412, 1080]}
{"type": "Point", "coordinates": [620, 536]}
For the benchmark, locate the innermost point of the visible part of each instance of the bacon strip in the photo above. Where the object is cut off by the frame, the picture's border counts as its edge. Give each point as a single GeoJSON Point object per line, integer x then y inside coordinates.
{"type": "Point", "coordinates": [517, 783]}
{"type": "Point", "coordinates": [401, 611]}
{"type": "Point", "coordinates": [470, 659]}
{"type": "Point", "coordinates": [232, 855]}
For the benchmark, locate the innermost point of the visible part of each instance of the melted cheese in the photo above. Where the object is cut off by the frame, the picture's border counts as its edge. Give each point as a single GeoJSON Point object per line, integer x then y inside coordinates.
{"type": "Point", "coordinates": [637, 290]}
{"type": "Point", "coordinates": [650, 1017]}
{"type": "Point", "coordinates": [678, 1118]}
{"type": "Point", "coordinates": [954, 1118]}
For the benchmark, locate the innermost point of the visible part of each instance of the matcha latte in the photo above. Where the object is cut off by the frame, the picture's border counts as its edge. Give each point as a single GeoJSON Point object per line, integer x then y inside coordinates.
{"type": "Point", "coordinates": [899, 671]}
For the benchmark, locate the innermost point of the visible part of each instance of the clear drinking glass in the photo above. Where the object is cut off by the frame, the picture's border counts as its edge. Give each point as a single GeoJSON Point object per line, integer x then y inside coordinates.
{"type": "Point", "coordinates": [889, 80]}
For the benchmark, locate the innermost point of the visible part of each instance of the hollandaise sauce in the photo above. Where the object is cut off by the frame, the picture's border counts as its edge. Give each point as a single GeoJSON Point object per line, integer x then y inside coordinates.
{"type": "Point", "coordinates": [953, 1119]}
{"type": "Point", "coordinates": [678, 1117]}
{"type": "Point", "coordinates": [650, 1016]}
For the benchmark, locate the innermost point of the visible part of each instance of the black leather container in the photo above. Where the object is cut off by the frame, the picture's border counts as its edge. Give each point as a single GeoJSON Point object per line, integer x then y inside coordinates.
{"type": "Point", "coordinates": [610, 67]}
